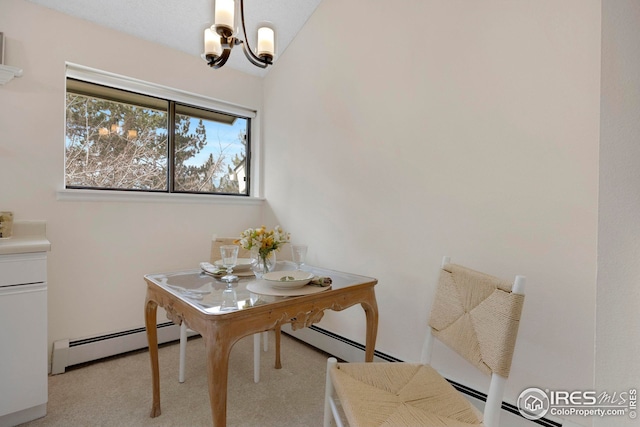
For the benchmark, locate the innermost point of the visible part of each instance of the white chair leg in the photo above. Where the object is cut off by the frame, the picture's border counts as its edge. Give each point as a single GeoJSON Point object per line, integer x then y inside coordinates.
{"type": "Point", "coordinates": [493, 404]}
{"type": "Point", "coordinates": [330, 409]}
{"type": "Point", "coordinates": [256, 357]}
{"type": "Point", "coordinates": [183, 350]}
{"type": "Point", "coordinates": [256, 352]}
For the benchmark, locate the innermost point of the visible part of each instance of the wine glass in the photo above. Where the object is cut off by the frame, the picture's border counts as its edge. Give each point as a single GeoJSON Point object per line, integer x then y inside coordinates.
{"type": "Point", "coordinates": [298, 254]}
{"type": "Point", "coordinates": [229, 254]}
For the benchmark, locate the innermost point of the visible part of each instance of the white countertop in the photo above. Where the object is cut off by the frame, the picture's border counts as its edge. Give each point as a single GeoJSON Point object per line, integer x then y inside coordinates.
{"type": "Point", "coordinates": [28, 236]}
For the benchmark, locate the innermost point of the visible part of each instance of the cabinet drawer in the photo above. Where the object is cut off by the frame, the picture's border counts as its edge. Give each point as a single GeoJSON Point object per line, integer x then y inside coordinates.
{"type": "Point", "coordinates": [17, 269]}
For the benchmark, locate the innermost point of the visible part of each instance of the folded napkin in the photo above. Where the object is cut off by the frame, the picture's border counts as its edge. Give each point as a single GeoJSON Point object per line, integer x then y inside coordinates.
{"type": "Point", "coordinates": [212, 269]}
{"type": "Point", "coordinates": [320, 281]}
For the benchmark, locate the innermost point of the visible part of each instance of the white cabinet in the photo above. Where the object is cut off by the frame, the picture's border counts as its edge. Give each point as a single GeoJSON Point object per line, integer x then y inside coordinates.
{"type": "Point", "coordinates": [23, 336]}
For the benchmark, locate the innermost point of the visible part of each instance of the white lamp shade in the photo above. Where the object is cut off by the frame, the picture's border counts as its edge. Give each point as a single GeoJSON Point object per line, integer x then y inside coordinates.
{"type": "Point", "coordinates": [266, 41]}
{"type": "Point", "coordinates": [212, 43]}
{"type": "Point", "coordinates": [224, 14]}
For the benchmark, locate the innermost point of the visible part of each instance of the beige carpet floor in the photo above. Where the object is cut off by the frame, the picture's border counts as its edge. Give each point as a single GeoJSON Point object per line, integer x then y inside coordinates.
{"type": "Point", "coordinates": [117, 391]}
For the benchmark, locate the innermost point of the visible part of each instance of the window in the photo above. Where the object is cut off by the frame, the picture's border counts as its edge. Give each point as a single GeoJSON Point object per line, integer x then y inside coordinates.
{"type": "Point", "coordinates": [118, 139]}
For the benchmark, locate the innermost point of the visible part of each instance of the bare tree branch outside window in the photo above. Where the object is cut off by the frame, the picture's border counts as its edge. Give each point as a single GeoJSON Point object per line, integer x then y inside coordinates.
{"type": "Point", "coordinates": [118, 145]}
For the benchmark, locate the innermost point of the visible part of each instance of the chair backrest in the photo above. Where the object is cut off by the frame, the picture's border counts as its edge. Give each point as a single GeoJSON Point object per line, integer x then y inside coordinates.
{"type": "Point", "coordinates": [283, 254]}
{"type": "Point", "coordinates": [478, 316]}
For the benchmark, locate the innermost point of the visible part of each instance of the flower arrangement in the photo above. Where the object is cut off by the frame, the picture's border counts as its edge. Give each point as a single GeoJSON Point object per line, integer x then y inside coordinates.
{"type": "Point", "coordinates": [263, 240]}
{"type": "Point", "coordinates": [262, 243]}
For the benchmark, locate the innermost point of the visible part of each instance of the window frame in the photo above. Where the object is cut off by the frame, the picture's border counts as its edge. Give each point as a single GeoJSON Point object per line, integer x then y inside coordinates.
{"type": "Point", "coordinates": [173, 96]}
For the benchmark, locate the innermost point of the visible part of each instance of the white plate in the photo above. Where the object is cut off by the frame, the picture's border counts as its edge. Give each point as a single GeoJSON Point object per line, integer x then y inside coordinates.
{"type": "Point", "coordinates": [262, 287]}
{"type": "Point", "coordinates": [288, 279]}
{"type": "Point", "coordinates": [241, 264]}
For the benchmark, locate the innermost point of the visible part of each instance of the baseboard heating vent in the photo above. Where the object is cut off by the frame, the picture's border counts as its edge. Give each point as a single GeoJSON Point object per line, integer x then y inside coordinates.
{"type": "Point", "coordinates": [69, 353]}
{"type": "Point", "coordinates": [74, 352]}
{"type": "Point", "coordinates": [336, 345]}
{"type": "Point", "coordinates": [505, 406]}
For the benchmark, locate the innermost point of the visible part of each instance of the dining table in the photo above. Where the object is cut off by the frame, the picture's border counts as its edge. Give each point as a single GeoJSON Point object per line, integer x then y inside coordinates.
{"type": "Point", "coordinates": [195, 297]}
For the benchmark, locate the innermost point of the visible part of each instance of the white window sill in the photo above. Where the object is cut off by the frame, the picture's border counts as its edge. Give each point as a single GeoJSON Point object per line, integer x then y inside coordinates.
{"type": "Point", "coordinates": [135, 196]}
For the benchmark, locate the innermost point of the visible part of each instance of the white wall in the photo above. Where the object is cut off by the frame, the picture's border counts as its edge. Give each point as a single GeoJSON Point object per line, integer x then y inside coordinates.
{"type": "Point", "coordinates": [100, 250]}
{"type": "Point", "coordinates": [461, 128]}
{"type": "Point", "coordinates": [618, 296]}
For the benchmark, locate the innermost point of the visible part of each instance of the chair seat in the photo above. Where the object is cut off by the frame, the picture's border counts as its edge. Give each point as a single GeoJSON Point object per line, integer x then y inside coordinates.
{"type": "Point", "coordinates": [400, 394]}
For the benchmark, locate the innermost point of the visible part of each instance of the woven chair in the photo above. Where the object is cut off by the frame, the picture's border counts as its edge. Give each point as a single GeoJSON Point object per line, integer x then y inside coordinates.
{"type": "Point", "coordinates": [242, 253]}
{"type": "Point", "coordinates": [476, 315]}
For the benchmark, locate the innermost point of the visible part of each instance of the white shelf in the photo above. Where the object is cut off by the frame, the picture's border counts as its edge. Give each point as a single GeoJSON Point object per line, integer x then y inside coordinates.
{"type": "Point", "coordinates": [7, 73]}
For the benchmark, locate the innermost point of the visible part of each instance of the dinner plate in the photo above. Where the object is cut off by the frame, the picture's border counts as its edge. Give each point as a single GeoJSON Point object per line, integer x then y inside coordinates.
{"type": "Point", "coordinates": [262, 287]}
{"type": "Point", "coordinates": [288, 279]}
{"type": "Point", "coordinates": [241, 264]}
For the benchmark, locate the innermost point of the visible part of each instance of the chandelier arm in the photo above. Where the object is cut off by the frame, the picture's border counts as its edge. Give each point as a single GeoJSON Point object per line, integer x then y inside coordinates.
{"type": "Point", "coordinates": [220, 61]}
{"type": "Point", "coordinates": [246, 48]}
{"type": "Point", "coordinates": [258, 62]}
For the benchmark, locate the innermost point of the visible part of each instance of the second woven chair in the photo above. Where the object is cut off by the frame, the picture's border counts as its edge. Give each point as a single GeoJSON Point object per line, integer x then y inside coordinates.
{"type": "Point", "coordinates": [476, 315]}
{"type": "Point", "coordinates": [215, 255]}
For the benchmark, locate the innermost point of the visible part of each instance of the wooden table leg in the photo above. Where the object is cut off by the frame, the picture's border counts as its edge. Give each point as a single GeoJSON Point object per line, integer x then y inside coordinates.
{"type": "Point", "coordinates": [371, 311]}
{"type": "Point", "coordinates": [151, 308]}
{"type": "Point", "coordinates": [217, 373]}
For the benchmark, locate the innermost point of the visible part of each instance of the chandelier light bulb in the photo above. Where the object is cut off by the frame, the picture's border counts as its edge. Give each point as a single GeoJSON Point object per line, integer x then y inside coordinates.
{"type": "Point", "coordinates": [266, 42]}
{"type": "Point", "coordinates": [224, 17]}
{"type": "Point", "coordinates": [212, 44]}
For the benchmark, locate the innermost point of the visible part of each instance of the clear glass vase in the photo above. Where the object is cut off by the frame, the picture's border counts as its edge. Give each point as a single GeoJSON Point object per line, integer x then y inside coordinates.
{"type": "Point", "coordinates": [262, 263]}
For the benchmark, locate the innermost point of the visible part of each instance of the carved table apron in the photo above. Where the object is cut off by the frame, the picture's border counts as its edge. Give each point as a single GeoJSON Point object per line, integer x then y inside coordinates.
{"type": "Point", "coordinates": [221, 330]}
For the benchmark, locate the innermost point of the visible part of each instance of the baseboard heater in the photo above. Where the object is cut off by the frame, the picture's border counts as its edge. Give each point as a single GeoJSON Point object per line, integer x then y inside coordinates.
{"type": "Point", "coordinates": [68, 353]}
{"type": "Point", "coordinates": [351, 351]}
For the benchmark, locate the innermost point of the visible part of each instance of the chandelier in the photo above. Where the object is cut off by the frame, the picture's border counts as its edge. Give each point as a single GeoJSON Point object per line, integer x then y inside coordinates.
{"type": "Point", "coordinates": [220, 38]}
